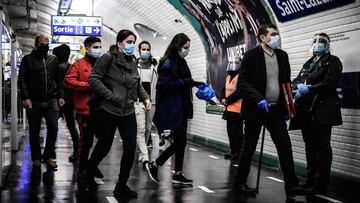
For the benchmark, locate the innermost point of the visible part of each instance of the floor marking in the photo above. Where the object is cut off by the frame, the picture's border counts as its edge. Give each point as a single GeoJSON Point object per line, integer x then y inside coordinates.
{"type": "Point", "coordinates": [205, 189]}
{"type": "Point", "coordinates": [173, 172]}
{"type": "Point", "coordinates": [277, 180]}
{"type": "Point", "coordinates": [115, 136]}
{"type": "Point", "coordinates": [69, 138]}
{"type": "Point", "coordinates": [112, 199]}
{"type": "Point", "coordinates": [193, 149]}
{"type": "Point", "coordinates": [328, 198]}
{"type": "Point", "coordinates": [99, 181]}
{"type": "Point", "coordinates": [214, 157]}
{"type": "Point", "coordinates": [235, 165]}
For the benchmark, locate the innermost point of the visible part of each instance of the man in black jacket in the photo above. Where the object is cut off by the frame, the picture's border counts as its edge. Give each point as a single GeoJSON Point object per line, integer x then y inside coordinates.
{"type": "Point", "coordinates": [262, 71]}
{"type": "Point", "coordinates": [41, 93]}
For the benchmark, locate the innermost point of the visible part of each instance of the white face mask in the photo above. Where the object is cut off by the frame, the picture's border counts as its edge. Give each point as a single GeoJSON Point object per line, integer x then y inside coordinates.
{"type": "Point", "coordinates": [274, 42]}
{"type": "Point", "coordinates": [183, 52]}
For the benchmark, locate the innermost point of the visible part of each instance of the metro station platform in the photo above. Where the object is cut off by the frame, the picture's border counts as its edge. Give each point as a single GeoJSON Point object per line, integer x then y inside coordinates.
{"type": "Point", "coordinates": [212, 175]}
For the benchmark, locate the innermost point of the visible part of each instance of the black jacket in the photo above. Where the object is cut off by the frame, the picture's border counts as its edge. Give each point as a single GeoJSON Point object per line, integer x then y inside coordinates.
{"type": "Point", "coordinates": [39, 78]}
{"type": "Point", "coordinates": [324, 78]}
{"type": "Point", "coordinates": [252, 81]}
{"type": "Point", "coordinates": [64, 67]}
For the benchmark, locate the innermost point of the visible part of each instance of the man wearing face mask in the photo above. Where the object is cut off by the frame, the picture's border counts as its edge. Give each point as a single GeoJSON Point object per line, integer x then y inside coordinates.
{"type": "Point", "coordinates": [148, 78]}
{"type": "Point", "coordinates": [40, 89]}
{"type": "Point", "coordinates": [263, 70]}
{"type": "Point", "coordinates": [76, 80]}
{"type": "Point", "coordinates": [317, 110]}
{"type": "Point", "coordinates": [231, 99]}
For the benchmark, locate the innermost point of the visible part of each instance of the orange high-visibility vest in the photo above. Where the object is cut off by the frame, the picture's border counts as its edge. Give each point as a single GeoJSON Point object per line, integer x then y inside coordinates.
{"type": "Point", "coordinates": [230, 87]}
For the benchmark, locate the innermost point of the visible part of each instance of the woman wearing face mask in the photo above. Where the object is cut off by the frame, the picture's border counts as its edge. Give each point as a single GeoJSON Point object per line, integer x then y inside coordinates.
{"type": "Point", "coordinates": [232, 99]}
{"type": "Point", "coordinates": [116, 80]}
{"type": "Point", "coordinates": [317, 110]}
{"type": "Point", "coordinates": [174, 104]}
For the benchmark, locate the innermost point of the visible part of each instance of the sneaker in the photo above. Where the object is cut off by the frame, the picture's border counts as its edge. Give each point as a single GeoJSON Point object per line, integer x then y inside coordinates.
{"type": "Point", "coordinates": [124, 191]}
{"type": "Point", "coordinates": [97, 173]}
{"type": "Point", "coordinates": [181, 179]}
{"type": "Point", "coordinates": [153, 171]}
{"type": "Point", "coordinates": [51, 163]}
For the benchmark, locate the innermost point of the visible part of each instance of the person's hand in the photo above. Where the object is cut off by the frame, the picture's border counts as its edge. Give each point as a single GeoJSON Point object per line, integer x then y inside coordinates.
{"type": "Point", "coordinates": [61, 102]}
{"type": "Point", "coordinates": [189, 82]}
{"type": "Point", "coordinates": [223, 101]}
{"type": "Point", "coordinates": [147, 104]}
{"type": "Point", "coordinates": [27, 104]}
{"type": "Point", "coordinates": [303, 88]}
{"type": "Point", "coordinates": [263, 105]}
{"type": "Point", "coordinates": [297, 95]}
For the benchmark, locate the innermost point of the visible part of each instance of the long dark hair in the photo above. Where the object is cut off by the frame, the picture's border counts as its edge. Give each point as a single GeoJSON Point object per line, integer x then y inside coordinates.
{"type": "Point", "coordinates": [176, 43]}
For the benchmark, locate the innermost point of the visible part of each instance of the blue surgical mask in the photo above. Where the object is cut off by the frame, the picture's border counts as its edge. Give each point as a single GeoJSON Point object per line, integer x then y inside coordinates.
{"type": "Point", "coordinates": [129, 49]}
{"type": "Point", "coordinates": [231, 67]}
{"type": "Point", "coordinates": [274, 42]}
{"type": "Point", "coordinates": [144, 55]}
{"type": "Point", "coordinates": [96, 53]}
{"type": "Point", "coordinates": [318, 48]}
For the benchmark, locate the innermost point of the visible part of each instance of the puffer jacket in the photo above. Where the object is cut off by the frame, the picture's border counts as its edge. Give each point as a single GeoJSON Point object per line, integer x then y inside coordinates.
{"type": "Point", "coordinates": [39, 78]}
{"type": "Point", "coordinates": [76, 80]}
{"type": "Point", "coordinates": [118, 84]}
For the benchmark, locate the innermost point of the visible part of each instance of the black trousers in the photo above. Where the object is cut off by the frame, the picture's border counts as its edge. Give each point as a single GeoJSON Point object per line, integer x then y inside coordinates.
{"type": "Point", "coordinates": [69, 114]}
{"type": "Point", "coordinates": [49, 110]}
{"type": "Point", "coordinates": [318, 154]}
{"type": "Point", "coordinates": [177, 148]}
{"type": "Point", "coordinates": [276, 125]}
{"type": "Point", "coordinates": [235, 133]}
{"type": "Point", "coordinates": [86, 140]}
{"type": "Point", "coordinates": [105, 126]}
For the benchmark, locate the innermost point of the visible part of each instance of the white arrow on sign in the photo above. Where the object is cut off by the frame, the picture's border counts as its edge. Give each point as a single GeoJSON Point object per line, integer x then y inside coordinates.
{"type": "Point", "coordinates": [97, 30]}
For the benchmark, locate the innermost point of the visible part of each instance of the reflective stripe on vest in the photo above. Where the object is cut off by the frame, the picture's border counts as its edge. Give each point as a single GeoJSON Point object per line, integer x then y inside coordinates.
{"type": "Point", "coordinates": [230, 87]}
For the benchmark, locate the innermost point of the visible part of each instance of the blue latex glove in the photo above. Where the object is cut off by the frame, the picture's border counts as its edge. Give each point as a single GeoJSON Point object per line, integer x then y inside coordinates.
{"type": "Point", "coordinates": [297, 94]}
{"type": "Point", "coordinates": [303, 88]}
{"type": "Point", "coordinates": [263, 105]}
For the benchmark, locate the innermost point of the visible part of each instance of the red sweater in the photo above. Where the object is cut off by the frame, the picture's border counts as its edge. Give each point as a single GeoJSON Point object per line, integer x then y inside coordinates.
{"type": "Point", "coordinates": [76, 79]}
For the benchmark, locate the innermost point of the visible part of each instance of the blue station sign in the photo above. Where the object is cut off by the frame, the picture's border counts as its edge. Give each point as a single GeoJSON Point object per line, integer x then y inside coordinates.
{"type": "Point", "coordinates": [76, 25]}
{"type": "Point", "coordinates": [286, 10]}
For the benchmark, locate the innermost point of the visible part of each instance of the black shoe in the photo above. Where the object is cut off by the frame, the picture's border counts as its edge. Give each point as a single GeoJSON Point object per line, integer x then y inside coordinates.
{"type": "Point", "coordinates": [97, 173]}
{"type": "Point", "coordinates": [124, 191]}
{"type": "Point", "coordinates": [153, 171]}
{"type": "Point", "coordinates": [227, 156]}
{"type": "Point", "coordinates": [297, 190]}
{"type": "Point", "coordinates": [244, 189]}
{"type": "Point", "coordinates": [162, 140]}
{"type": "Point", "coordinates": [86, 182]}
{"type": "Point", "coordinates": [180, 179]}
{"type": "Point", "coordinates": [72, 158]}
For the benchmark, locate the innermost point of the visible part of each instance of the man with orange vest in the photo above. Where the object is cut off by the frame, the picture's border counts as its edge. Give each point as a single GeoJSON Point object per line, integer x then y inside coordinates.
{"type": "Point", "coordinates": [232, 99]}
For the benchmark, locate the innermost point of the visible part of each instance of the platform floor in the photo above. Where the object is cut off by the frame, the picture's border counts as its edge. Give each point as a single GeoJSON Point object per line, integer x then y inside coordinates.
{"type": "Point", "coordinates": [212, 175]}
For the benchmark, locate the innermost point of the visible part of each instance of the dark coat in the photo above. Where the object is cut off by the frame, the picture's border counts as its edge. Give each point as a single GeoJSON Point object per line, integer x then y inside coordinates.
{"type": "Point", "coordinates": [39, 78]}
{"type": "Point", "coordinates": [116, 80]}
{"type": "Point", "coordinates": [324, 78]}
{"type": "Point", "coordinates": [252, 81]}
{"type": "Point", "coordinates": [173, 98]}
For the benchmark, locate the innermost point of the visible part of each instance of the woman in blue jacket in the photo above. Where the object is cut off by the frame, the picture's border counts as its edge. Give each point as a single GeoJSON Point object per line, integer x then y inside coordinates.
{"type": "Point", "coordinates": [174, 104]}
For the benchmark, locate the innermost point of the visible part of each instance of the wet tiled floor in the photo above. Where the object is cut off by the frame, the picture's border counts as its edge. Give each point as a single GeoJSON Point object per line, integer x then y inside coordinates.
{"type": "Point", "coordinates": [212, 175]}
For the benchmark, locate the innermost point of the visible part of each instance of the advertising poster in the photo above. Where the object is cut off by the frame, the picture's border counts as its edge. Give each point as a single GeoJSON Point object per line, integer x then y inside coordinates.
{"type": "Point", "coordinates": [228, 28]}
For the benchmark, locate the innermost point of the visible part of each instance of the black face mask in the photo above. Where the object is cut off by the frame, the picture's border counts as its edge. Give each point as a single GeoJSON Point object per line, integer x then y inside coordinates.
{"type": "Point", "coordinates": [43, 50]}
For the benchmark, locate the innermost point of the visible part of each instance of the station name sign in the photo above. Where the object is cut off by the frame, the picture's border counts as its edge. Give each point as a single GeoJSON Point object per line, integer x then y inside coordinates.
{"type": "Point", "coordinates": [76, 25]}
{"type": "Point", "coordinates": [286, 10]}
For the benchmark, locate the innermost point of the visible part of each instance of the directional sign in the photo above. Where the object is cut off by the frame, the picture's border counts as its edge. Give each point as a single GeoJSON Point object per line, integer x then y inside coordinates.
{"type": "Point", "coordinates": [73, 47]}
{"type": "Point", "coordinates": [76, 25]}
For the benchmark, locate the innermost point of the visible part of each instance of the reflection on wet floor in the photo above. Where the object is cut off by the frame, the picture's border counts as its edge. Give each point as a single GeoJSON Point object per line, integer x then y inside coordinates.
{"type": "Point", "coordinates": [212, 179]}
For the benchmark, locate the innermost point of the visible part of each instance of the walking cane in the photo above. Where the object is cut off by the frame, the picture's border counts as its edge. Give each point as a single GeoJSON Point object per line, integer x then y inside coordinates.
{"type": "Point", "coordinates": [260, 157]}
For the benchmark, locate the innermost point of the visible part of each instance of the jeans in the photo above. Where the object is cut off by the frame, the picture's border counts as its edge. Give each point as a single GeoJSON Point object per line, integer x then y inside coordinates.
{"type": "Point", "coordinates": [177, 148]}
{"type": "Point", "coordinates": [105, 127]}
{"type": "Point", "coordinates": [49, 110]}
{"type": "Point", "coordinates": [276, 125]}
{"type": "Point", "coordinates": [69, 114]}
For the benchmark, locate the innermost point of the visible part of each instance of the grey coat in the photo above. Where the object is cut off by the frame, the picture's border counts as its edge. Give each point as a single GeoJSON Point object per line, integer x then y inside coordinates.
{"type": "Point", "coordinates": [116, 80]}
